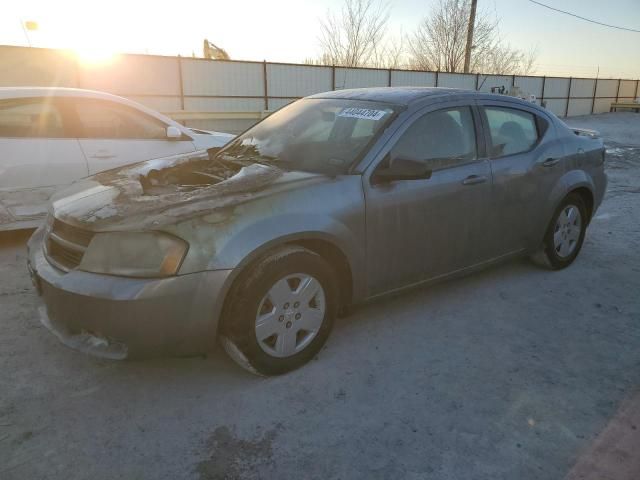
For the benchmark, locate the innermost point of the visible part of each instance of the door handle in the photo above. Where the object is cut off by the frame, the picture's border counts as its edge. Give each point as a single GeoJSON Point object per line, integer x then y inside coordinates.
{"type": "Point", "coordinates": [550, 162]}
{"type": "Point", "coordinates": [474, 179]}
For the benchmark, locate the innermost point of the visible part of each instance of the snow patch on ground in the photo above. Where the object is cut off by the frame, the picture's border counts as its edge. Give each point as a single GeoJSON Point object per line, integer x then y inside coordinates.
{"type": "Point", "coordinates": [619, 127]}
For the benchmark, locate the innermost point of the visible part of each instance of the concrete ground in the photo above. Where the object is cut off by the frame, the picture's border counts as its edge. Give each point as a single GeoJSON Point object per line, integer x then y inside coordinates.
{"type": "Point", "coordinates": [512, 373]}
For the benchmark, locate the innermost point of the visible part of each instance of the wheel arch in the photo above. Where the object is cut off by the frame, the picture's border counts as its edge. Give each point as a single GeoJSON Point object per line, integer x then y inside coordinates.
{"type": "Point", "coordinates": [318, 242]}
{"type": "Point", "coordinates": [337, 259]}
{"type": "Point", "coordinates": [574, 181]}
{"type": "Point", "coordinates": [587, 197]}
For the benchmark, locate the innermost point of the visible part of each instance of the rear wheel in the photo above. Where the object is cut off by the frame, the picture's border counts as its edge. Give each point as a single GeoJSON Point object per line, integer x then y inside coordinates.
{"type": "Point", "coordinates": [280, 312]}
{"type": "Point", "coordinates": [565, 233]}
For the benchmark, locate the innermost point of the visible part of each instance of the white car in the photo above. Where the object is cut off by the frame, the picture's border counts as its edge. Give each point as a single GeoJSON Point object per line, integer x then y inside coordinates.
{"type": "Point", "coordinates": [50, 137]}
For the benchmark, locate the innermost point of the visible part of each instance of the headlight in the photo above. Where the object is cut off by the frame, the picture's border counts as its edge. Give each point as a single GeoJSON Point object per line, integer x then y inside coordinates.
{"type": "Point", "coordinates": [134, 254]}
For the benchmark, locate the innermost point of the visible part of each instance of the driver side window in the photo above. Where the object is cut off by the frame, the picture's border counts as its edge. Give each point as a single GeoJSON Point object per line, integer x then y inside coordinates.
{"type": "Point", "coordinates": [102, 119]}
{"type": "Point", "coordinates": [444, 138]}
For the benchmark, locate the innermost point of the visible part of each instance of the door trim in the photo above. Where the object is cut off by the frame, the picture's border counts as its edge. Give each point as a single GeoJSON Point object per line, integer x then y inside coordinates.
{"type": "Point", "coordinates": [449, 275]}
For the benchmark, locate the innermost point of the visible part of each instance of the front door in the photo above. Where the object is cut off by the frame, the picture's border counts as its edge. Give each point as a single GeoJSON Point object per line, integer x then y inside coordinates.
{"type": "Point", "coordinates": [112, 135]}
{"type": "Point", "coordinates": [38, 157]}
{"type": "Point", "coordinates": [422, 229]}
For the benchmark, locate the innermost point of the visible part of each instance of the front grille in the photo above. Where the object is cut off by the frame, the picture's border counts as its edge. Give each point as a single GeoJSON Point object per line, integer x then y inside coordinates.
{"type": "Point", "coordinates": [66, 244]}
{"type": "Point", "coordinates": [65, 256]}
{"type": "Point", "coordinates": [71, 234]}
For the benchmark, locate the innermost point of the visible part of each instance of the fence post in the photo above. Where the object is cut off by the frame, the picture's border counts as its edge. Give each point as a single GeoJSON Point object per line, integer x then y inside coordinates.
{"type": "Point", "coordinates": [618, 90]}
{"type": "Point", "coordinates": [180, 83]}
{"type": "Point", "coordinates": [477, 80]}
{"type": "Point", "coordinates": [593, 98]}
{"type": "Point", "coordinates": [636, 95]}
{"type": "Point", "coordinates": [566, 110]}
{"type": "Point", "coordinates": [389, 82]}
{"type": "Point", "coordinates": [544, 82]}
{"type": "Point", "coordinates": [438, 72]}
{"type": "Point", "coordinates": [513, 81]}
{"type": "Point", "coordinates": [266, 87]}
{"type": "Point", "coordinates": [333, 77]}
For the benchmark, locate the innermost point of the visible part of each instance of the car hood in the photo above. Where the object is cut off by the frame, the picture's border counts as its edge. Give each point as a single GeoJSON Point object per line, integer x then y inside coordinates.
{"type": "Point", "coordinates": [159, 192]}
{"type": "Point", "coordinates": [204, 139]}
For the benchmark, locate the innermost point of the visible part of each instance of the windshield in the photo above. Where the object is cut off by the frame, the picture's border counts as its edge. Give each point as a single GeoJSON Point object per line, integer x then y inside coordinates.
{"type": "Point", "coordinates": [314, 135]}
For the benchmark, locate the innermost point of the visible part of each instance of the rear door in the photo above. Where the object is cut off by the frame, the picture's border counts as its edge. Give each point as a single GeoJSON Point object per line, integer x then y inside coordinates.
{"type": "Point", "coordinates": [421, 229]}
{"type": "Point", "coordinates": [526, 162]}
{"type": "Point", "coordinates": [113, 134]}
{"type": "Point", "coordinates": [39, 155]}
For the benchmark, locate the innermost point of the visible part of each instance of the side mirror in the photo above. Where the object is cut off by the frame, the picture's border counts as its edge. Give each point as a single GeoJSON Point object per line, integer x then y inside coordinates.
{"type": "Point", "coordinates": [403, 169]}
{"type": "Point", "coordinates": [173, 133]}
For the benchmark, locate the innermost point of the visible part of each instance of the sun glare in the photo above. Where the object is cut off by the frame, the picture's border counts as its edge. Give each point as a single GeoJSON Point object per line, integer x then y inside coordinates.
{"type": "Point", "coordinates": [94, 55]}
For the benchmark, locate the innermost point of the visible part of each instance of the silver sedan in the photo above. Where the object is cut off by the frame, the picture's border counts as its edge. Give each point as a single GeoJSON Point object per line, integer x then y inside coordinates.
{"type": "Point", "coordinates": [335, 199]}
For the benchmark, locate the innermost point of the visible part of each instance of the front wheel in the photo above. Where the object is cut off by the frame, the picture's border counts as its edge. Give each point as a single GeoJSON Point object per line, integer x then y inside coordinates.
{"type": "Point", "coordinates": [565, 233]}
{"type": "Point", "coordinates": [280, 313]}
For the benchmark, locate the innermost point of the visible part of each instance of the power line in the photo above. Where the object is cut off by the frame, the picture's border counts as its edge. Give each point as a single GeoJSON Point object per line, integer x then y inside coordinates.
{"type": "Point", "coordinates": [583, 18]}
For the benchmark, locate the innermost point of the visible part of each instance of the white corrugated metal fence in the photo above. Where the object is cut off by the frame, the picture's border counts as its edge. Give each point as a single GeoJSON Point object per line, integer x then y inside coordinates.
{"type": "Point", "coordinates": [231, 95]}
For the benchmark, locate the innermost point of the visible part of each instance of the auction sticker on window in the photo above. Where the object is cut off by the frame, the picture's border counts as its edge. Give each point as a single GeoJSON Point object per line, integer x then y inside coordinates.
{"type": "Point", "coordinates": [364, 113]}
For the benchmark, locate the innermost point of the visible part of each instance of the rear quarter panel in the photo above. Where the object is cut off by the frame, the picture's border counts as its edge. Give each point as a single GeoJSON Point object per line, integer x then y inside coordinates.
{"type": "Point", "coordinates": [582, 167]}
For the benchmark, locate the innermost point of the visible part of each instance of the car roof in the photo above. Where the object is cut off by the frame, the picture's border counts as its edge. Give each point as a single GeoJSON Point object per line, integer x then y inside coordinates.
{"type": "Point", "coordinates": [395, 95]}
{"type": "Point", "coordinates": [26, 92]}
{"type": "Point", "coordinates": [7, 93]}
{"type": "Point", "coordinates": [414, 97]}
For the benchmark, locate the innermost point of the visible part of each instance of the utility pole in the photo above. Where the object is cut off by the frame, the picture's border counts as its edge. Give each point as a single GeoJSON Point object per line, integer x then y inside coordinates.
{"type": "Point", "coordinates": [472, 21]}
{"type": "Point", "coordinates": [27, 27]}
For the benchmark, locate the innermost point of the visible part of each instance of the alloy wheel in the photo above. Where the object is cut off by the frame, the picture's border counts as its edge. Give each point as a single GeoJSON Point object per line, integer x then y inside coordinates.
{"type": "Point", "coordinates": [290, 315]}
{"type": "Point", "coordinates": [567, 231]}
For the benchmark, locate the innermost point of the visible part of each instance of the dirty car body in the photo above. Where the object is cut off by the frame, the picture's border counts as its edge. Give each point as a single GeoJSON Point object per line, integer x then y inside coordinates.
{"type": "Point", "coordinates": [140, 260]}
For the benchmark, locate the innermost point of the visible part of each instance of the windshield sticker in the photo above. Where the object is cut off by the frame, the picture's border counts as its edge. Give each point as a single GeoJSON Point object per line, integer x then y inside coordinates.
{"type": "Point", "coordinates": [364, 113]}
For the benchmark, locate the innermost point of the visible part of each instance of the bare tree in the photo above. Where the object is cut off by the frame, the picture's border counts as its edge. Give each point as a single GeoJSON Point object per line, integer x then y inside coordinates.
{"type": "Point", "coordinates": [440, 39]}
{"type": "Point", "coordinates": [353, 38]}
{"type": "Point", "coordinates": [505, 60]}
{"type": "Point", "coordinates": [391, 53]}
{"type": "Point", "coordinates": [528, 62]}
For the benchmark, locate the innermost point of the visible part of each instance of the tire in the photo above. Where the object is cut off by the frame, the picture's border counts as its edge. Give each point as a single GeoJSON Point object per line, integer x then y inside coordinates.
{"type": "Point", "coordinates": [565, 233]}
{"type": "Point", "coordinates": [279, 294]}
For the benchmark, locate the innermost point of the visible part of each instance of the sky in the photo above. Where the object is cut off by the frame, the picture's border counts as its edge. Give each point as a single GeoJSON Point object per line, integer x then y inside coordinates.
{"type": "Point", "coordinates": [288, 30]}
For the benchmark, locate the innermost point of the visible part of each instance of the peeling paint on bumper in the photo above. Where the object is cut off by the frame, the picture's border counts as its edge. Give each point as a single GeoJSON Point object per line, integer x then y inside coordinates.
{"type": "Point", "coordinates": [116, 317]}
{"type": "Point", "coordinates": [84, 341]}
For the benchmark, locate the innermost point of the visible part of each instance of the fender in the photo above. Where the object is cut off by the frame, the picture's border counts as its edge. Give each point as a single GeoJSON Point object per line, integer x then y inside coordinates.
{"type": "Point", "coordinates": [240, 248]}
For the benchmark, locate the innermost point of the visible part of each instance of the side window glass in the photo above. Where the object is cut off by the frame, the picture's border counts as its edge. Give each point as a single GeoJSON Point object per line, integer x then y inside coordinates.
{"type": "Point", "coordinates": [443, 138]}
{"type": "Point", "coordinates": [35, 118]}
{"type": "Point", "coordinates": [512, 131]}
{"type": "Point", "coordinates": [100, 119]}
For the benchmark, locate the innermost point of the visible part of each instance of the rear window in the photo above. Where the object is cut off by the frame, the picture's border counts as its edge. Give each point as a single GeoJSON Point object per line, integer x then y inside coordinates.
{"type": "Point", "coordinates": [33, 118]}
{"type": "Point", "coordinates": [512, 131]}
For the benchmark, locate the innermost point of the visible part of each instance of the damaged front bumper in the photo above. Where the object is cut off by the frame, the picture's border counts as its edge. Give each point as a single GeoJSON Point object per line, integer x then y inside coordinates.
{"type": "Point", "coordinates": [116, 317]}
